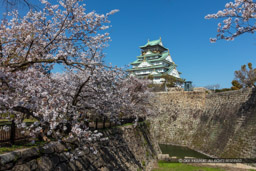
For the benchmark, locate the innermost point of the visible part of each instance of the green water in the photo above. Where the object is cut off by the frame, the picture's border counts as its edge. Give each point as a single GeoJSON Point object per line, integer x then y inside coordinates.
{"type": "Point", "coordinates": [180, 151]}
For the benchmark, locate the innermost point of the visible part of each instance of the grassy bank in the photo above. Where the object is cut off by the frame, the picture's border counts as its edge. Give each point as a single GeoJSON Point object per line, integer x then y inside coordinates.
{"type": "Point", "coordinates": [162, 166]}
{"type": "Point", "coordinates": [20, 146]}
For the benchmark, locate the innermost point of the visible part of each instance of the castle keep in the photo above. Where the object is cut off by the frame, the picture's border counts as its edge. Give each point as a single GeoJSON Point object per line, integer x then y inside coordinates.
{"type": "Point", "coordinates": [154, 60]}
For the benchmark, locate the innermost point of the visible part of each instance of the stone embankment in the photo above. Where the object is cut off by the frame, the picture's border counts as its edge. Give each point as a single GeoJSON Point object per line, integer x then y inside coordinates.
{"type": "Point", "coordinates": [128, 148]}
{"type": "Point", "coordinates": [218, 124]}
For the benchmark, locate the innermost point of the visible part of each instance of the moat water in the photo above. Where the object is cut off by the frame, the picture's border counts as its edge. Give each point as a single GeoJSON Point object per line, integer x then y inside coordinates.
{"type": "Point", "coordinates": [180, 151]}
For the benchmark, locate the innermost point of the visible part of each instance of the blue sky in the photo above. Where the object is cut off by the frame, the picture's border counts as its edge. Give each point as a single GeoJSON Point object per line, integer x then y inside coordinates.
{"type": "Point", "coordinates": [184, 31]}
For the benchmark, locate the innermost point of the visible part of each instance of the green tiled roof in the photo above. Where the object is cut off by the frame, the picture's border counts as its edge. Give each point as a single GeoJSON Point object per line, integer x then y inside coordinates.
{"type": "Point", "coordinates": [164, 55]}
{"type": "Point", "coordinates": [154, 54]}
{"type": "Point", "coordinates": [170, 69]}
{"type": "Point", "coordinates": [156, 75]}
{"type": "Point", "coordinates": [136, 62]}
{"type": "Point", "coordinates": [167, 72]}
{"type": "Point", "coordinates": [139, 62]}
{"type": "Point", "coordinates": [152, 43]}
{"type": "Point", "coordinates": [152, 67]}
{"type": "Point", "coordinates": [164, 60]}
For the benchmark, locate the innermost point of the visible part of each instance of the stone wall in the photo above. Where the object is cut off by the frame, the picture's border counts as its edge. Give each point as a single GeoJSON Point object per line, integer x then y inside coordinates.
{"type": "Point", "coordinates": [219, 124]}
{"type": "Point", "coordinates": [128, 148]}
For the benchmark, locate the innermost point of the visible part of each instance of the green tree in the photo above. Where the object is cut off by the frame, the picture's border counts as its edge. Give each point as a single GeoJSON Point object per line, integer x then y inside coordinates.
{"type": "Point", "coordinates": [236, 85]}
{"type": "Point", "coordinates": [172, 81]}
{"type": "Point", "coordinates": [150, 77]}
{"type": "Point", "coordinates": [245, 77]}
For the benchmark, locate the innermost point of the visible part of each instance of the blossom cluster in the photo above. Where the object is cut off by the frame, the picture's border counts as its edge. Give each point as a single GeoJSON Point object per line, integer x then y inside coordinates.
{"type": "Point", "coordinates": [240, 17]}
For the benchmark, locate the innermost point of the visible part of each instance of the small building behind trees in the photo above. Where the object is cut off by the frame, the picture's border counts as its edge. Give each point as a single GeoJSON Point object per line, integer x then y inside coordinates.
{"type": "Point", "coordinates": [154, 62]}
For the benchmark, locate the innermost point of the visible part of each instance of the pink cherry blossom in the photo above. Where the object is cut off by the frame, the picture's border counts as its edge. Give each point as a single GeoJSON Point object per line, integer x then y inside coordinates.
{"type": "Point", "coordinates": [240, 18]}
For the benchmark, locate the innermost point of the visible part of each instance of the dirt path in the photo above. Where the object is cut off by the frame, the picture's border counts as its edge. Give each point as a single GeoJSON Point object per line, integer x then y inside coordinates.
{"type": "Point", "coordinates": [228, 166]}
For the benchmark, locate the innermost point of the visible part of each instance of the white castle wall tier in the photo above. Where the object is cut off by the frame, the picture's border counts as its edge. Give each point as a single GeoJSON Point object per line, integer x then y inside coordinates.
{"type": "Point", "coordinates": [154, 60]}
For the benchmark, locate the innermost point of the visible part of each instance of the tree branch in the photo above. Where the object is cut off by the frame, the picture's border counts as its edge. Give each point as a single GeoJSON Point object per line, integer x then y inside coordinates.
{"type": "Point", "coordinates": [25, 111]}
{"type": "Point", "coordinates": [29, 49]}
{"type": "Point", "coordinates": [1, 50]}
{"type": "Point", "coordinates": [75, 99]}
{"type": "Point", "coordinates": [58, 33]}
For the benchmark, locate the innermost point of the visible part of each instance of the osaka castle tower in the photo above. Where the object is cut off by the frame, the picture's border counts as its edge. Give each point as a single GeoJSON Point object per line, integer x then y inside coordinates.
{"type": "Point", "coordinates": [154, 60]}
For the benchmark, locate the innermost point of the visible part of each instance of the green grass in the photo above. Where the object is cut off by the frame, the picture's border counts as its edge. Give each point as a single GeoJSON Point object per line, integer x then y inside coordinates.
{"type": "Point", "coordinates": [21, 146]}
{"type": "Point", "coordinates": [183, 167]}
{"type": "Point", "coordinates": [6, 121]}
{"type": "Point", "coordinates": [25, 120]}
{"type": "Point", "coordinates": [127, 124]}
{"type": "Point", "coordinates": [29, 120]}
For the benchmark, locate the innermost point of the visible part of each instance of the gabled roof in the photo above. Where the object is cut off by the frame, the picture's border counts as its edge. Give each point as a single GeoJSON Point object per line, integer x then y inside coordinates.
{"type": "Point", "coordinates": [165, 54]}
{"type": "Point", "coordinates": [159, 74]}
{"type": "Point", "coordinates": [153, 43]}
{"type": "Point", "coordinates": [136, 62]}
{"type": "Point", "coordinates": [151, 67]}
{"type": "Point", "coordinates": [144, 63]}
{"type": "Point", "coordinates": [170, 69]}
{"type": "Point", "coordinates": [162, 58]}
{"type": "Point", "coordinates": [154, 72]}
{"type": "Point", "coordinates": [153, 54]}
{"type": "Point", "coordinates": [149, 53]}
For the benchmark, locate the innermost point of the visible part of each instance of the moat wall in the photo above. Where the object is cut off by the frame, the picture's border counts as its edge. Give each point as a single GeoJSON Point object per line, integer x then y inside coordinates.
{"type": "Point", "coordinates": [219, 124]}
{"type": "Point", "coordinates": [128, 148]}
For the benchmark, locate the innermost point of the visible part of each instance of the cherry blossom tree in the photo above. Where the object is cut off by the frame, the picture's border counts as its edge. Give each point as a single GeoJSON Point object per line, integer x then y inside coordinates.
{"type": "Point", "coordinates": [239, 18]}
{"type": "Point", "coordinates": [67, 35]}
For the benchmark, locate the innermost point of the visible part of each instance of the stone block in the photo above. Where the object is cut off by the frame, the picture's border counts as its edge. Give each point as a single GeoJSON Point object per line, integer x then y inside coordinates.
{"type": "Point", "coordinates": [22, 167]}
{"type": "Point", "coordinates": [32, 164]}
{"type": "Point", "coordinates": [104, 169]}
{"type": "Point", "coordinates": [7, 158]}
{"type": "Point", "coordinates": [59, 147]}
{"type": "Point", "coordinates": [79, 165]}
{"type": "Point", "coordinates": [29, 153]}
{"type": "Point", "coordinates": [44, 163]}
{"type": "Point", "coordinates": [47, 149]}
{"type": "Point", "coordinates": [163, 157]}
{"type": "Point", "coordinates": [6, 166]}
{"type": "Point", "coordinates": [55, 160]}
{"type": "Point", "coordinates": [64, 167]}
{"type": "Point", "coordinates": [63, 157]}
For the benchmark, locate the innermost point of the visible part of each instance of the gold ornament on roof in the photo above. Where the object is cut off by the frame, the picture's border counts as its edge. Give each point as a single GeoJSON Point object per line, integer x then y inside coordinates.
{"type": "Point", "coordinates": [144, 59]}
